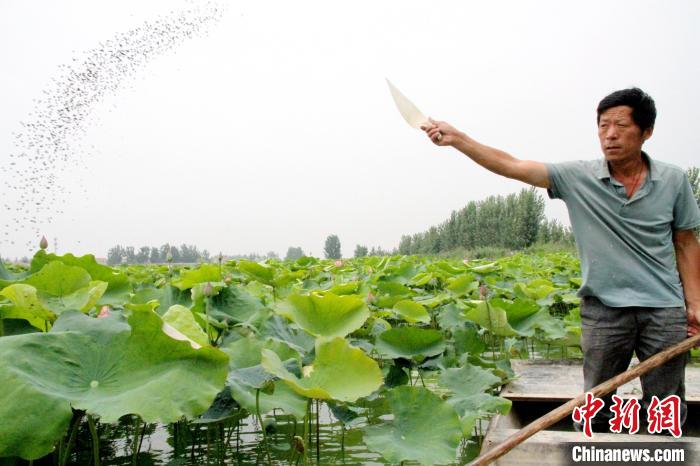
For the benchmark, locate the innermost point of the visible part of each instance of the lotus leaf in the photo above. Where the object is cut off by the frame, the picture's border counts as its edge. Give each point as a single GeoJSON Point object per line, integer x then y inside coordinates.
{"type": "Point", "coordinates": [494, 319]}
{"type": "Point", "coordinates": [339, 372]}
{"type": "Point", "coordinates": [463, 285]}
{"type": "Point", "coordinates": [412, 311]}
{"type": "Point", "coordinates": [325, 316]}
{"type": "Point", "coordinates": [25, 305]}
{"type": "Point", "coordinates": [203, 274]}
{"type": "Point", "coordinates": [104, 366]}
{"type": "Point", "coordinates": [181, 318]}
{"type": "Point", "coordinates": [118, 286]}
{"type": "Point", "coordinates": [262, 273]}
{"type": "Point", "coordinates": [410, 342]}
{"type": "Point", "coordinates": [424, 429]}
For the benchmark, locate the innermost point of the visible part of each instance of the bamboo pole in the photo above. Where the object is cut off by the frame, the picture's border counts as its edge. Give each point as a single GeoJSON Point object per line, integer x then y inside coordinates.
{"type": "Point", "coordinates": [599, 390]}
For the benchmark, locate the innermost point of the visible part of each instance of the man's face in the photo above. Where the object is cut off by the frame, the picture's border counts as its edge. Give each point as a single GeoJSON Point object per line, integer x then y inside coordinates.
{"type": "Point", "coordinates": [620, 137]}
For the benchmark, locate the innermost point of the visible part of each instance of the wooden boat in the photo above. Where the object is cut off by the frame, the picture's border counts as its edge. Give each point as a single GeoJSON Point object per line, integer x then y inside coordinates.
{"type": "Point", "coordinates": [542, 386]}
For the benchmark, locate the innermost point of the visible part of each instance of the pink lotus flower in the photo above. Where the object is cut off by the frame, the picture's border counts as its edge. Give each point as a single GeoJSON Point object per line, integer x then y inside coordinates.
{"type": "Point", "coordinates": [104, 312]}
{"type": "Point", "coordinates": [338, 263]}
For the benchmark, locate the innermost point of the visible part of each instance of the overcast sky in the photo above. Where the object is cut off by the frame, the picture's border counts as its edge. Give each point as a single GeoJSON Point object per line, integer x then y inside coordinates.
{"type": "Point", "coordinates": [273, 126]}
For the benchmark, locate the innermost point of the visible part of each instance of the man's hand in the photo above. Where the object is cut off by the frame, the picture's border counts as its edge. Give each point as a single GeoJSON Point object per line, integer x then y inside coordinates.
{"type": "Point", "coordinates": [441, 133]}
{"type": "Point", "coordinates": [693, 321]}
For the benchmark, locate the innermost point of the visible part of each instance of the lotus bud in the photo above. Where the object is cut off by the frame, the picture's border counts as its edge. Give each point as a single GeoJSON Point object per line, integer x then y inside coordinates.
{"type": "Point", "coordinates": [483, 291]}
{"type": "Point", "coordinates": [104, 312]}
{"type": "Point", "coordinates": [298, 443]}
{"type": "Point", "coordinates": [208, 290]}
{"type": "Point", "coordinates": [44, 243]}
{"type": "Point", "coordinates": [338, 263]}
{"type": "Point", "coordinates": [370, 298]}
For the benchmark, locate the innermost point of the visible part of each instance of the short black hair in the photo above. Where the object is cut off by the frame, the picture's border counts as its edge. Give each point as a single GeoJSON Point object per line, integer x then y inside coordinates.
{"type": "Point", "coordinates": [643, 107]}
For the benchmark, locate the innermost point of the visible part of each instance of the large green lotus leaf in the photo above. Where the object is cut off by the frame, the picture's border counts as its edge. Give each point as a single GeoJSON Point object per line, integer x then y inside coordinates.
{"type": "Point", "coordinates": [326, 316]}
{"type": "Point", "coordinates": [233, 304]}
{"type": "Point", "coordinates": [203, 274]}
{"type": "Point", "coordinates": [524, 315]}
{"type": "Point", "coordinates": [450, 316]}
{"type": "Point", "coordinates": [463, 285]}
{"type": "Point", "coordinates": [259, 272]}
{"type": "Point", "coordinates": [468, 340]}
{"type": "Point", "coordinates": [492, 318]}
{"type": "Point", "coordinates": [181, 319]}
{"type": "Point", "coordinates": [224, 408]}
{"type": "Point", "coordinates": [166, 297]}
{"type": "Point", "coordinates": [536, 289]}
{"type": "Point", "coordinates": [468, 380]}
{"type": "Point", "coordinates": [25, 305]}
{"type": "Point", "coordinates": [409, 342]}
{"type": "Point", "coordinates": [82, 300]}
{"type": "Point", "coordinates": [283, 397]}
{"type": "Point", "coordinates": [58, 279]}
{"type": "Point", "coordinates": [278, 328]}
{"type": "Point", "coordinates": [477, 406]}
{"type": "Point", "coordinates": [247, 352]}
{"type": "Point", "coordinates": [104, 366]}
{"type": "Point", "coordinates": [118, 286]}
{"type": "Point", "coordinates": [339, 372]}
{"type": "Point", "coordinates": [412, 311]}
{"type": "Point", "coordinates": [424, 429]}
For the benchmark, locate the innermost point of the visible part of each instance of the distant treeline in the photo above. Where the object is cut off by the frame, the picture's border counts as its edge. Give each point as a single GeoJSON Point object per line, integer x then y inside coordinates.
{"type": "Point", "coordinates": [156, 255]}
{"type": "Point", "coordinates": [515, 221]}
{"type": "Point", "coordinates": [186, 253]}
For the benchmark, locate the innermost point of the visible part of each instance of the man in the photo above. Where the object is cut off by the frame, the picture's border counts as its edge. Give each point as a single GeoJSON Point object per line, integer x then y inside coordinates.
{"type": "Point", "coordinates": [629, 213]}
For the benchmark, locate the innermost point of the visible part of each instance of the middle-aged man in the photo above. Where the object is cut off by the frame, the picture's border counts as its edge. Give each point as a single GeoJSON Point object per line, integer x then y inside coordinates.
{"type": "Point", "coordinates": [629, 213]}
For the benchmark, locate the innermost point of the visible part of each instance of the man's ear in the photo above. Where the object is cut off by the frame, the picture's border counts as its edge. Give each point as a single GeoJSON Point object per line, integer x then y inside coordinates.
{"type": "Point", "coordinates": [647, 133]}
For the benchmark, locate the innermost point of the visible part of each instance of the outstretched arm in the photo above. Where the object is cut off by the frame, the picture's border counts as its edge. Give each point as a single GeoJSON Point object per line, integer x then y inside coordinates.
{"type": "Point", "coordinates": [495, 160]}
{"type": "Point", "coordinates": [688, 260]}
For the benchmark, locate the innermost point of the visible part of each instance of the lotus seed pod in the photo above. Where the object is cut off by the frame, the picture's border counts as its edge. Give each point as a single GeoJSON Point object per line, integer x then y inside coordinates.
{"type": "Point", "coordinates": [208, 290]}
{"type": "Point", "coordinates": [228, 280]}
{"type": "Point", "coordinates": [44, 243]}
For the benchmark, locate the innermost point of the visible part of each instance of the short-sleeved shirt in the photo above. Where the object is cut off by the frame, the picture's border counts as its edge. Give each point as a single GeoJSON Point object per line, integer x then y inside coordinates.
{"type": "Point", "coordinates": [625, 245]}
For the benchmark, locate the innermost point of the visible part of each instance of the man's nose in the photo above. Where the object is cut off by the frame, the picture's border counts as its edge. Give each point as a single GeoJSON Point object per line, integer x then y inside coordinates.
{"type": "Point", "coordinates": [611, 132]}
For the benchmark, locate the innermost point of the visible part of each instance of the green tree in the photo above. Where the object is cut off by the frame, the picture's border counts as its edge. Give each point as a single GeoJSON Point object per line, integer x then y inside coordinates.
{"type": "Point", "coordinates": [332, 248]}
{"type": "Point", "coordinates": [360, 251]}
{"type": "Point", "coordinates": [293, 253]}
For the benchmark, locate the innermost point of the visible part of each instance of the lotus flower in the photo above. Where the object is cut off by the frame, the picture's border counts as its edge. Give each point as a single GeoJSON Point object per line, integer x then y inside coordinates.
{"type": "Point", "coordinates": [208, 290]}
{"type": "Point", "coordinates": [104, 312]}
{"type": "Point", "coordinates": [338, 263]}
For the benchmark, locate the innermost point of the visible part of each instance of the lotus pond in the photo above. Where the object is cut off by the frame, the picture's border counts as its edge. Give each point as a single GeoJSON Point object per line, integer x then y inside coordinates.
{"type": "Point", "coordinates": [380, 360]}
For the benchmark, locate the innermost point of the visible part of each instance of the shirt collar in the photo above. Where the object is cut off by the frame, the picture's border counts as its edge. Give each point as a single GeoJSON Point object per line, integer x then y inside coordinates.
{"type": "Point", "coordinates": [603, 171]}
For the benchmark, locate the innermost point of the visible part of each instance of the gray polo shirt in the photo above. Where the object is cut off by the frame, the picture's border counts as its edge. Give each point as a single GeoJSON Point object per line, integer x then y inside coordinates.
{"type": "Point", "coordinates": [625, 245]}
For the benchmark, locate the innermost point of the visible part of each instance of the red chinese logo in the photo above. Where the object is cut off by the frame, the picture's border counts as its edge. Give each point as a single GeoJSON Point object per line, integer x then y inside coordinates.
{"type": "Point", "coordinates": [624, 415]}
{"type": "Point", "coordinates": [664, 415]}
{"type": "Point", "coordinates": [661, 414]}
{"type": "Point", "coordinates": [586, 412]}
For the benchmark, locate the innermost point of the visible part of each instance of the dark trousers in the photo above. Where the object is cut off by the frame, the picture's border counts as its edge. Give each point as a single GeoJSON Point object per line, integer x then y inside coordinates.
{"type": "Point", "coordinates": [610, 335]}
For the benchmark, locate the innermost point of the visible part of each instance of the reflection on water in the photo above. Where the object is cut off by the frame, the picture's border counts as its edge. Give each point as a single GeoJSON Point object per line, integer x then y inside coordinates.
{"type": "Point", "coordinates": [236, 441]}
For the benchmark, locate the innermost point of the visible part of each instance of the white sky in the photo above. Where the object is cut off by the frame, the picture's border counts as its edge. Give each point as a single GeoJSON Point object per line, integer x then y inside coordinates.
{"type": "Point", "coordinates": [277, 128]}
